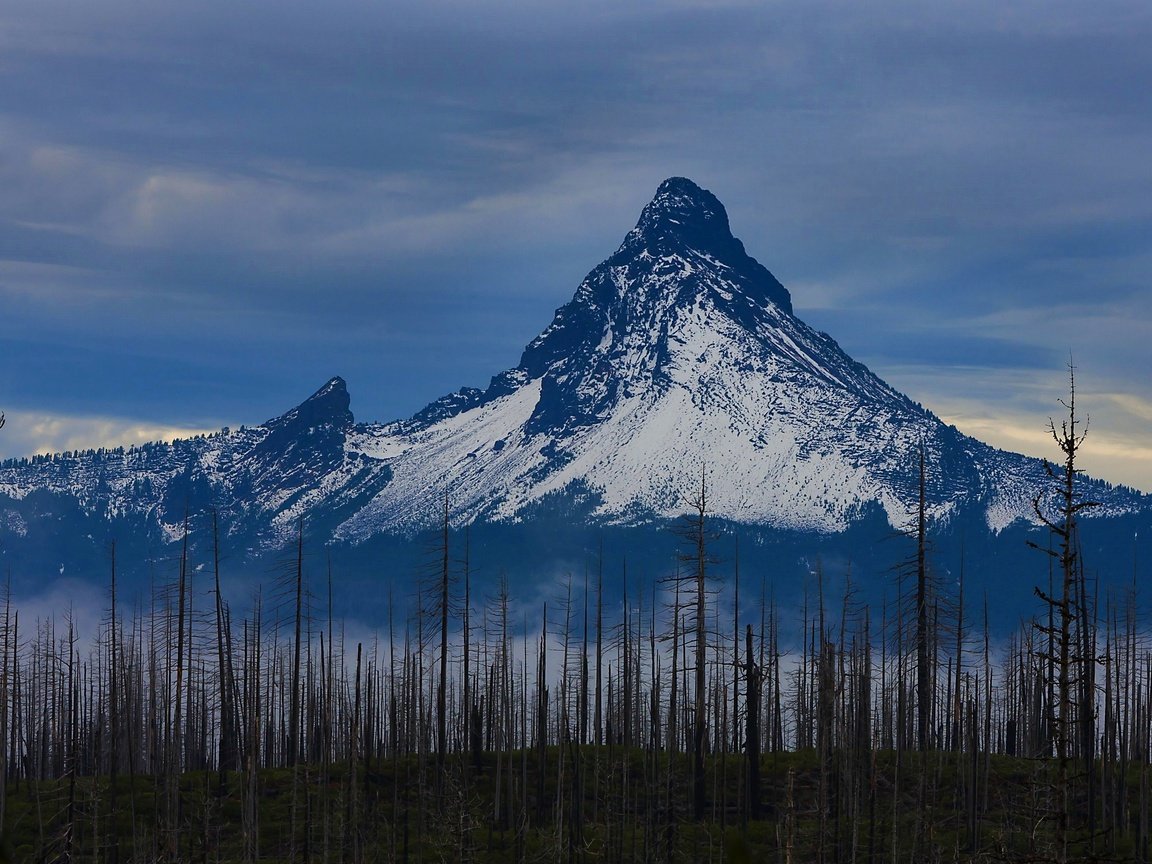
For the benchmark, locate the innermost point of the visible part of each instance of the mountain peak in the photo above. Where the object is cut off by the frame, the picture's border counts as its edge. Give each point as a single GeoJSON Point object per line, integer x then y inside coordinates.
{"type": "Point", "coordinates": [684, 218]}
{"type": "Point", "coordinates": [682, 211]}
{"type": "Point", "coordinates": [334, 385]}
{"type": "Point", "coordinates": [328, 406]}
{"type": "Point", "coordinates": [619, 322]}
{"type": "Point", "coordinates": [679, 201]}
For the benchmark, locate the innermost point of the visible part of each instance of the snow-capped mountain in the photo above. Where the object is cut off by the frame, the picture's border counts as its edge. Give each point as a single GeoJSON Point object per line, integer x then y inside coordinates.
{"type": "Point", "coordinates": [679, 354]}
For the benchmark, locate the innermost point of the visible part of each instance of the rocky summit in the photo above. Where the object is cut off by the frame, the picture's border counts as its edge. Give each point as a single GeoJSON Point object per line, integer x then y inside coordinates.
{"type": "Point", "coordinates": [679, 354]}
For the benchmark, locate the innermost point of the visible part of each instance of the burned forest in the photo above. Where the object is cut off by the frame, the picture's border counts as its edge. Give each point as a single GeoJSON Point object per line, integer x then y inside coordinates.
{"type": "Point", "coordinates": [682, 717]}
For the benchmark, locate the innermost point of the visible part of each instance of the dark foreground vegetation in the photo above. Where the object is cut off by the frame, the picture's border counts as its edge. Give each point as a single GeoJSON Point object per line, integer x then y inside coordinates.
{"type": "Point", "coordinates": [388, 809]}
{"type": "Point", "coordinates": [685, 723]}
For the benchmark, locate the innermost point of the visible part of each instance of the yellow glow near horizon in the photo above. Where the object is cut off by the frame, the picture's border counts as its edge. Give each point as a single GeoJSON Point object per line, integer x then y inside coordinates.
{"type": "Point", "coordinates": [1105, 456]}
{"type": "Point", "coordinates": [29, 433]}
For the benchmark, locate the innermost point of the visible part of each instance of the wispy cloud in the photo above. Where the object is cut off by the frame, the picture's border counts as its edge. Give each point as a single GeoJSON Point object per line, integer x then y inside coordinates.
{"type": "Point", "coordinates": [27, 433]}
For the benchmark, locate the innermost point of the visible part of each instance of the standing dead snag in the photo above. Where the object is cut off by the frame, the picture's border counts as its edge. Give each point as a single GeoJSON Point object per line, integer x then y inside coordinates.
{"type": "Point", "coordinates": [442, 685]}
{"type": "Point", "coordinates": [174, 763]}
{"type": "Point", "coordinates": [694, 532]}
{"type": "Point", "coordinates": [923, 671]}
{"type": "Point", "coordinates": [113, 711]}
{"type": "Point", "coordinates": [294, 703]}
{"type": "Point", "coordinates": [752, 729]}
{"type": "Point", "coordinates": [228, 755]}
{"type": "Point", "coordinates": [1068, 605]}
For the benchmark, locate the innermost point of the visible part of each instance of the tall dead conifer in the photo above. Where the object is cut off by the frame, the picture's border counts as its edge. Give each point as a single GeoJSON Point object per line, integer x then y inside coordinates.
{"type": "Point", "coordinates": [1066, 604]}
{"type": "Point", "coordinates": [442, 684]}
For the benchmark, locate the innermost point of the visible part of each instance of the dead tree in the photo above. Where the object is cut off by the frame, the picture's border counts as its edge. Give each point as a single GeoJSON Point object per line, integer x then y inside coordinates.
{"type": "Point", "coordinates": [227, 753]}
{"type": "Point", "coordinates": [1067, 604]}
{"type": "Point", "coordinates": [923, 667]}
{"type": "Point", "coordinates": [752, 728]}
{"type": "Point", "coordinates": [695, 532]}
{"type": "Point", "coordinates": [293, 754]}
{"type": "Point", "coordinates": [442, 686]}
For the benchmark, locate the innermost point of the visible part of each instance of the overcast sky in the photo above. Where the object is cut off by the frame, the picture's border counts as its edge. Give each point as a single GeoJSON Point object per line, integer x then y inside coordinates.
{"type": "Point", "coordinates": [210, 208]}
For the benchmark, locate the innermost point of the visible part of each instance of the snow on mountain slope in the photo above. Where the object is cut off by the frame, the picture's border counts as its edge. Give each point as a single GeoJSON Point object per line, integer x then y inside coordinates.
{"type": "Point", "coordinates": [261, 480]}
{"type": "Point", "coordinates": [679, 352]}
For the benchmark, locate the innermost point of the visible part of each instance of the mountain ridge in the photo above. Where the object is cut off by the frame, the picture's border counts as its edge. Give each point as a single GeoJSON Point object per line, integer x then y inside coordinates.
{"type": "Point", "coordinates": [677, 328]}
{"type": "Point", "coordinates": [678, 351]}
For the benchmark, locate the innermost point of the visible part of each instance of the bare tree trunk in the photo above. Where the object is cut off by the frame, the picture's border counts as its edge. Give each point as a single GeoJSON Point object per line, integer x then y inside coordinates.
{"type": "Point", "coordinates": [442, 687]}
{"type": "Point", "coordinates": [752, 727]}
{"type": "Point", "coordinates": [1071, 663]}
{"type": "Point", "coordinates": [227, 754]}
{"type": "Point", "coordinates": [293, 754]}
{"type": "Point", "coordinates": [699, 731]}
{"type": "Point", "coordinates": [923, 673]}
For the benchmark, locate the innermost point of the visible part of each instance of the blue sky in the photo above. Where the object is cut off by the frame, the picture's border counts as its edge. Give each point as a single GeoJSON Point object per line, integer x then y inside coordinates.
{"type": "Point", "coordinates": [210, 208]}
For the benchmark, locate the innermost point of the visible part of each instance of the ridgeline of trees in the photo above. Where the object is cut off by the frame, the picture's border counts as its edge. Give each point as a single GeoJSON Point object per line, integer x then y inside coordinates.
{"type": "Point", "coordinates": [686, 723]}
